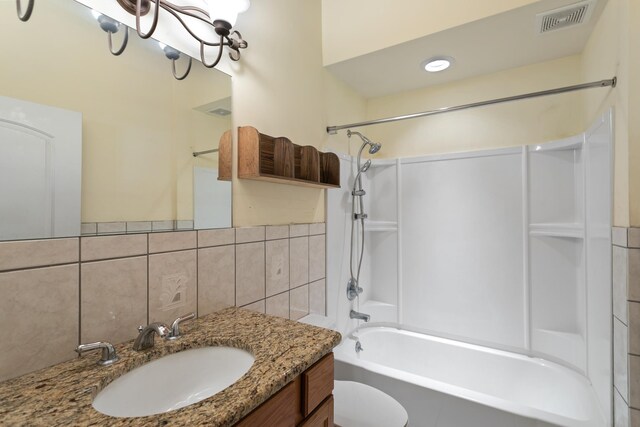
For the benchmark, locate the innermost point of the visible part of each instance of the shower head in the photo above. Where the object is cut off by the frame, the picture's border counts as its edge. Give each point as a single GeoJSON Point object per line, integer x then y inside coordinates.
{"type": "Point", "coordinates": [366, 166]}
{"type": "Point", "coordinates": [374, 147]}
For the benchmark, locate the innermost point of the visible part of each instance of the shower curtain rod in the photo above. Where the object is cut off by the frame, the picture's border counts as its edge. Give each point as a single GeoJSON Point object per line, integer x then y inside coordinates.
{"type": "Point", "coordinates": [332, 130]}
{"type": "Point", "coordinates": [197, 153]}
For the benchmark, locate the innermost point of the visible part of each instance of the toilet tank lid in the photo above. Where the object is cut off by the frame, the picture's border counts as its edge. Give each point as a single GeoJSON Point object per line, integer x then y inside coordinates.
{"type": "Point", "coordinates": [318, 320]}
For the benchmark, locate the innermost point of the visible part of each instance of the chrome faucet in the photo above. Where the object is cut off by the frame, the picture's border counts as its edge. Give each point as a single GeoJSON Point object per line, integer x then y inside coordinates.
{"type": "Point", "coordinates": [360, 316]}
{"type": "Point", "coordinates": [175, 326]}
{"type": "Point", "coordinates": [109, 355]}
{"type": "Point", "coordinates": [146, 336]}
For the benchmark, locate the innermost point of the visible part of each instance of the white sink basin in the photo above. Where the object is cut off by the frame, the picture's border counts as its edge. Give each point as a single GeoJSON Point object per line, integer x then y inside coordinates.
{"type": "Point", "coordinates": [173, 381]}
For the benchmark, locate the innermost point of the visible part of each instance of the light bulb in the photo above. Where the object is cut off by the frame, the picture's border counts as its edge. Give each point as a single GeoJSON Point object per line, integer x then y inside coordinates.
{"type": "Point", "coordinates": [95, 14]}
{"type": "Point", "coordinates": [438, 63]}
{"type": "Point", "coordinates": [227, 10]}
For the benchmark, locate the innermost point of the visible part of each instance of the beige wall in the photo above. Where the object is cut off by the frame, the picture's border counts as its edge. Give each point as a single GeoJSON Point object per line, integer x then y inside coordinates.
{"type": "Point", "coordinates": [355, 27]}
{"type": "Point", "coordinates": [512, 124]}
{"type": "Point", "coordinates": [614, 49]}
{"type": "Point", "coordinates": [281, 88]}
{"type": "Point", "coordinates": [139, 127]}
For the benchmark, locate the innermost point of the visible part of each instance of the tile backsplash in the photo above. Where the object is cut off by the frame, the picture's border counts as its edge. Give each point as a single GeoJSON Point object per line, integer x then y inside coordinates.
{"type": "Point", "coordinates": [57, 293]}
{"type": "Point", "coordinates": [626, 326]}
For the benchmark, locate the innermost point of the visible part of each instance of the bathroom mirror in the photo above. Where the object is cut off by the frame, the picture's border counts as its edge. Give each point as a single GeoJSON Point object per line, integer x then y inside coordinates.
{"type": "Point", "coordinates": [139, 128]}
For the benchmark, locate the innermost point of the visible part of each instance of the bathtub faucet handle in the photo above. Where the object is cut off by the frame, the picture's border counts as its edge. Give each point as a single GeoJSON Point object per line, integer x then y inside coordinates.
{"type": "Point", "coordinates": [358, 347]}
{"type": "Point", "coordinates": [353, 290]}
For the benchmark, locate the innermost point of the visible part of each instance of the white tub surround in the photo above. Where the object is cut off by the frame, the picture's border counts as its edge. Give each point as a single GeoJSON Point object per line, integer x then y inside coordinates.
{"type": "Point", "coordinates": [508, 249]}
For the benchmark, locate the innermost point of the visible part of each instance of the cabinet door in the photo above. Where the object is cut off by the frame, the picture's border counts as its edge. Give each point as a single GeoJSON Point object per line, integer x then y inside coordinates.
{"type": "Point", "coordinates": [279, 411]}
{"type": "Point", "coordinates": [322, 416]}
{"type": "Point", "coordinates": [318, 383]}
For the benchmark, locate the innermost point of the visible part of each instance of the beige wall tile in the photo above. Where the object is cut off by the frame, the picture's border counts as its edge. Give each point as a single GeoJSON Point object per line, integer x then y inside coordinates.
{"type": "Point", "coordinates": [634, 382]}
{"type": "Point", "coordinates": [172, 241]}
{"type": "Point", "coordinates": [620, 350]}
{"type": "Point", "coordinates": [634, 328]}
{"type": "Point", "coordinates": [219, 237]}
{"type": "Point", "coordinates": [634, 237]}
{"type": "Point", "coordinates": [216, 279]}
{"type": "Point", "coordinates": [620, 266]}
{"type": "Point", "coordinates": [633, 278]}
{"type": "Point", "coordinates": [139, 227]}
{"type": "Point", "coordinates": [620, 410]}
{"type": "Point", "coordinates": [316, 257]}
{"type": "Point", "coordinates": [619, 236]}
{"type": "Point", "coordinates": [277, 232]}
{"type": "Point", "coordinates": [166, 225]}
{"type": "Point", "coordinates": [38, 253]}
{"type": "Point", "coordinates": [250, 234]}
{"type": "Point", "coordinates": [317, 228]}
{"type": "Point", "coordinates": [172, 285]}
{"type": "Point", "coordinates": [39, 315]}
{"type": "Point", "coordinates": [113, 299]}
{"type": "Point", "coordinates": [277, 267]}
{"type": "Point", "coordinates": [278, 305]}
{"type": "Point", "coordinates": [258, 306]}
{"type": "Point", "coordinates": [112, 227]}
{"type": "Point", "coordinates": [88, 228]}
{"type": "Point", "coordinates": [299, 303]}
{"type": "Point", "coordinates": [317, 297]}
{"type": "Point", "coordinates": [299, 261]}
{"type": "Point", "coordinates": [250, 273]}
{"type": "Point", "coordinates": [634, 418]}
{"type": "Point", "coordinates": [298, 230]}
{"type": "Point", "coordinates": [105, 247]}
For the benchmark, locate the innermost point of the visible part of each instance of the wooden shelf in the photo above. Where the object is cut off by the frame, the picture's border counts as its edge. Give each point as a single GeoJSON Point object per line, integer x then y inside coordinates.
{"type": "Point", "coordinates": [265, 158]}
{"type": "Point", "coordinates": [224, 157]}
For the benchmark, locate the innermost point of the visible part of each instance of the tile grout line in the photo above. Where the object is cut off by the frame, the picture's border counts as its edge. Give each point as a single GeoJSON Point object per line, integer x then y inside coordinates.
{"type": "Point", "coordinates": [148, 280]}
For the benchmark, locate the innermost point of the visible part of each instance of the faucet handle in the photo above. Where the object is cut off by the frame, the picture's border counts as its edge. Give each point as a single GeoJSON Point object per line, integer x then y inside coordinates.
{"type": "Point", "coordinates": [109, 355]}
{"type": "Point", "coordinates": [175, 326]}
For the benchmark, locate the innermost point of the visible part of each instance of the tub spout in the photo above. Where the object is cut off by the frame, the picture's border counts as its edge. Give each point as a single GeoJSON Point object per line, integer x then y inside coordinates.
{"type": "Point", "coordinates": [360, 316]}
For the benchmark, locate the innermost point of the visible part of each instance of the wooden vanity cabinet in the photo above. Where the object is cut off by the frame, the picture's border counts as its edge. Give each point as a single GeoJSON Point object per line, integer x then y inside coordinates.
{"type": "Point", "coordinates": [304, 402]}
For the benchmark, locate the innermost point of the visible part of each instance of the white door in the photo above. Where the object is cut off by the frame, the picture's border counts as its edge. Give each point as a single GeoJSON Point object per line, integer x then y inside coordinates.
{"type": "Point", "coordinates": [40, 170]}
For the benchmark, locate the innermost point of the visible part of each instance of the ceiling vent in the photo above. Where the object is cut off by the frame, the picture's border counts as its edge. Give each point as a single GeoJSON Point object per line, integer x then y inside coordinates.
{"type": "Point", "coordinates": [564, 17]}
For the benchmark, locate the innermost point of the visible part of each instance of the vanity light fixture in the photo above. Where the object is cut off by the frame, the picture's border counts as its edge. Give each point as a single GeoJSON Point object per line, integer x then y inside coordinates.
{"type": "Point", "coordinates": [174, 55]}
{"type": "Point", "coordinates": [220, 18]}
{"type": "Point", "coordinates": [437, 63]}
{"type": "Point", "coordinates": [111, 26]}
{"type": "Point", "coordinates": [24, 17]}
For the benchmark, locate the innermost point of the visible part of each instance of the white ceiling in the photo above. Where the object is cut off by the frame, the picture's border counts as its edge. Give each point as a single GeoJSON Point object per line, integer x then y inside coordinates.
{"type": "Point", "coordinates": [500, 42]}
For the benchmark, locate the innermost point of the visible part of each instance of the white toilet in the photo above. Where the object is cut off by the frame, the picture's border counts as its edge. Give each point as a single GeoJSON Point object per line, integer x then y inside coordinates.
{"type": "Point", "coordinates": [357, 404]}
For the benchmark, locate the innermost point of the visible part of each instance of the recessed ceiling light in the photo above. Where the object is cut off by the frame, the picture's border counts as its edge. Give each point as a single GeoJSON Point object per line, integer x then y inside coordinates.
{"type": "Point", "coordinates": [437, 63]}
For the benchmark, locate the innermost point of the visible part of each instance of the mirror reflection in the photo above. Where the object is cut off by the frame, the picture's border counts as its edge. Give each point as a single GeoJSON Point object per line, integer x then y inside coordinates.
{"type": "Point", "coordinates": [104, 141]}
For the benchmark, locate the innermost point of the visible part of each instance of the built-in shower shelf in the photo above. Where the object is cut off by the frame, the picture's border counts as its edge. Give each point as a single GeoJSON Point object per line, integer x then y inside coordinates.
{"type": "Point", "coordinates": [380, 226]}
{"type": "Point", "coordinates": [569, 229]}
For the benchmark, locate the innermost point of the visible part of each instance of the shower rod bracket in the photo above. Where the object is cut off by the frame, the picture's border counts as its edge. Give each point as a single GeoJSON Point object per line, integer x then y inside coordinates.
{"type": "Point", "coordinates": [332, 130]}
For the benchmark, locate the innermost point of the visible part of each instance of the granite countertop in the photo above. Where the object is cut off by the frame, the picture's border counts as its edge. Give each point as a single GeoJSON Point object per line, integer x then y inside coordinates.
{"type": "Point", "coordinates": [62, 394]}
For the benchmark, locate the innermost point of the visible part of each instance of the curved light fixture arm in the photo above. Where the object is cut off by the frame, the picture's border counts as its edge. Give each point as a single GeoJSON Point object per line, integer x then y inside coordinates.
{"type": "Point", "coordinates": [27, 13]}
{"type": "Point", "coordinates": [236, 45]}
{"type": "Point", "coordinates": [204, 60]}
{"type": "Point", "coordinates": [186, 73]}
{"type": "Point", "coordinates": [124, 42]}
{"type": "Point", "coordinates": [156, 14]}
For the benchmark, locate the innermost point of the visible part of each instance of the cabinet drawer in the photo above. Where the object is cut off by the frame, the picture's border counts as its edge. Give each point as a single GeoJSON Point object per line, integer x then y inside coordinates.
{"type": "Point", "coordinates": [322, 416]}
{"type": "Point", "coordinates": [317, 384]}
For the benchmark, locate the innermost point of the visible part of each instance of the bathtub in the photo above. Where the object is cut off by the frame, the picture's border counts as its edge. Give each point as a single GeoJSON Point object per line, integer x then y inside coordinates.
{"type": "Point", "coordinates": [446, 383]}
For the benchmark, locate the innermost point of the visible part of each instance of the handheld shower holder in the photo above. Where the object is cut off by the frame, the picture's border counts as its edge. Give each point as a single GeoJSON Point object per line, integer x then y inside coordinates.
{"type": "Point", "coordinates": [358, 216]}
{"type": "Point", "coordinates": [353, 290]}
